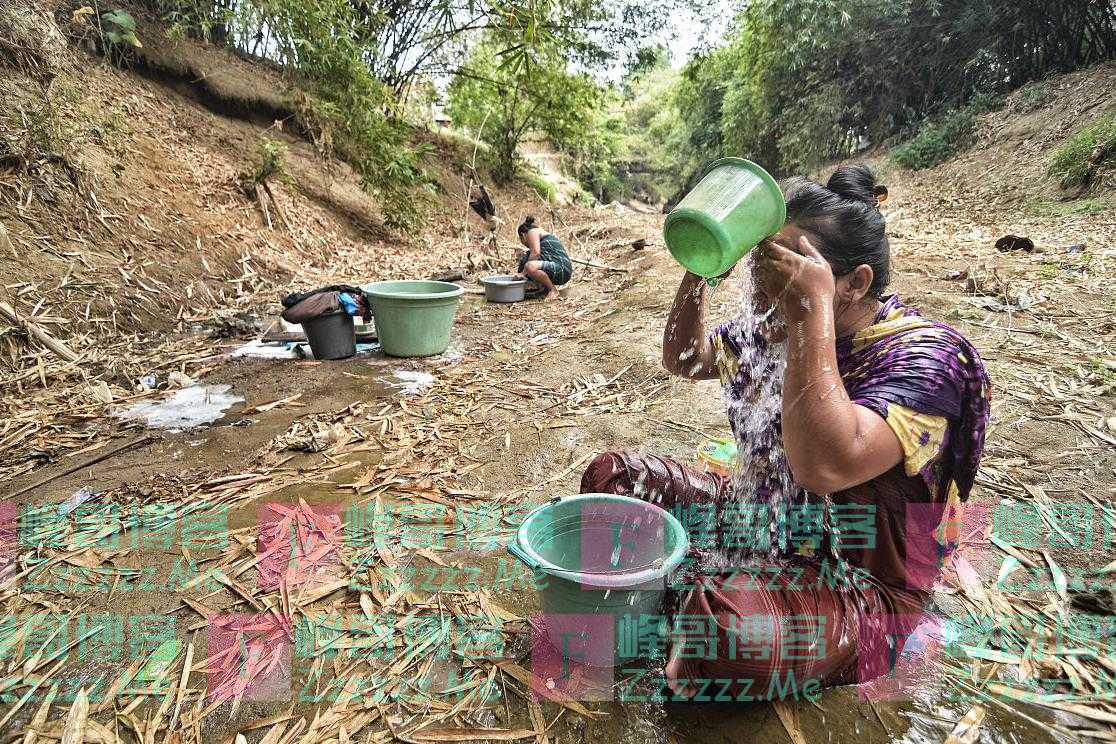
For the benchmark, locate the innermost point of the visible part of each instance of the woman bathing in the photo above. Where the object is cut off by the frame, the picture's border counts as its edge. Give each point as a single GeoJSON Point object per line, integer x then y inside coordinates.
{"type": "Point", "coordinates": [546, 261]}
{"type": "Point", "coordinates": [882, 410]}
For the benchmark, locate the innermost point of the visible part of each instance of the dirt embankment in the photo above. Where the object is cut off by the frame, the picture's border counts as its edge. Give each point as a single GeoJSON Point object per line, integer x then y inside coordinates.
{"type": "Point", "coordinates": [1007, 165]}
{"type": "Point", "coordinates": [126, 230]}
{"type": "Point", "coordinates": [156, 148]}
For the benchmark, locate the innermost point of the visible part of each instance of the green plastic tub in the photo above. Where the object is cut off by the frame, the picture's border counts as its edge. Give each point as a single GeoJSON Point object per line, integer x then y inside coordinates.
{"type": "Point", "coordinates": [603, 556]}
{"type": "Point", "coordinates": [734, 207]}
{"type": "Point", "coordinates": [414, 317]}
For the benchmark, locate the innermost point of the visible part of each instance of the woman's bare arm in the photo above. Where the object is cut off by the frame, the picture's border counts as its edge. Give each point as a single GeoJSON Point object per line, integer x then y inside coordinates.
{"type": "Point", "coordinates": [534, 244]}
{"type": "Point", "coordinates": [831, 443]}
{"type": "Point", "coordinates": [687, 351]}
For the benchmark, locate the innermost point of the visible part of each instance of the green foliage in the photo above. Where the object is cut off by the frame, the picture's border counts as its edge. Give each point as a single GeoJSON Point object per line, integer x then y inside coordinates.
{"type": "Point", "coordinates": [1046, 208]}
{"type": "Point", "coordinates": [37, 127]}
{"type": "Point", "coordinates": [591, 148]}
{"type": "Point", "coordinates": [1031, 97]}
{"type": "Point", "coordinates": [464, 145]}
{"type": "Point", "coordinates": [1101, 368]}
{"type": "Point", "coordinates": [500, 100]}
{"type": "Point", "coordinates": [519, 80]}
{"type": "Point", "coordinates": [209, 20]}
{"type": "Point", "coordinates": [783, 104]}
{"type": "Point", "coordinates": [1075, 163]}
{"type": "Point", "coordinates": [544, 188]}
{"type": "Point", "coordinates": [324, 47]}
{"type": "Point", "coordinates": [346, 109]}
{"type": "Point", "coordinates": [119, 28]}
{"type": "Point", "coordinates": [800, 82]}
{"type": "Point", "coordinates": [937, 141]}
{"type": "Point", "coordinates": [700, 98]}
{"type": "Point", "coordinates": [356, 63]}
{"type": "Point", "coordinates": [796, 82]}
{"type": "Point", "coordinates": [270, 160]}
{"type": "Point", "coordinates": [655, 153]}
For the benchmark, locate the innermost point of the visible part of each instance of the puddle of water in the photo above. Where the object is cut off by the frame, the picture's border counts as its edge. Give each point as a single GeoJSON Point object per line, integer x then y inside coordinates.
{"type": "Point", "coordinates": [840, 716]}
{"type": "Point", "coordinates": [452, 355]}
{"type": "Point", "coordinates": [924, 710]}
{"type": "Point", "coordinates": [324, 496]}
{"type": "Point", "coordinates": [257, 349]}
{"type": "Point", "coordinates": [187, 408]}
{"type": "Point", "coordinates": [412, 382]}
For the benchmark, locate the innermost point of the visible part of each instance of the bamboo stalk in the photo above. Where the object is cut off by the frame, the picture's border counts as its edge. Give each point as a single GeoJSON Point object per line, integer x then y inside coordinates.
{"type": "Point", "coordinates": [33, 329]}
{"type": "Point", "coordinates": [103, 456]}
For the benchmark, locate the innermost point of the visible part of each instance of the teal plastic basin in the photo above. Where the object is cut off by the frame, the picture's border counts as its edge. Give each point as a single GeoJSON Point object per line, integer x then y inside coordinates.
{"type": "Point", "coordinates": [602, 555]}
{"type": "Point", "coordinates": [414, 317]}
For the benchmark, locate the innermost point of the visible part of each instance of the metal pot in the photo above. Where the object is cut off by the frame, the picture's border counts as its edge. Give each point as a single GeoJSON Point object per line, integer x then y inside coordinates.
{"type": "Point", "coordinates": [504, 288]}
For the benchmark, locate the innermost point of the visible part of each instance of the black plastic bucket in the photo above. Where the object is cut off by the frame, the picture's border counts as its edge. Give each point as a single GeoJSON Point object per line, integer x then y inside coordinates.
{"type": "Point", "coordinates": [331, 336]}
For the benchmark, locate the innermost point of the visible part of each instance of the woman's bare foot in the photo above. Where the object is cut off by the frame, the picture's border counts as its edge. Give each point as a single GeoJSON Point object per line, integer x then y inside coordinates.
{"type": "Point", "coordinates": [533, 270]}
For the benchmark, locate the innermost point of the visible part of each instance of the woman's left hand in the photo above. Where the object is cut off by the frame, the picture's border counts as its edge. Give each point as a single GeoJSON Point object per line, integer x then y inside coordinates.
{"type": "Point", "coordinates": [795, 279]}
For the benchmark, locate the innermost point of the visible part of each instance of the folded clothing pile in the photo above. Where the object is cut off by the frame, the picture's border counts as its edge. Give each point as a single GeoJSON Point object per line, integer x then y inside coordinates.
{"type": "Point", "coordinates": [304, 306]}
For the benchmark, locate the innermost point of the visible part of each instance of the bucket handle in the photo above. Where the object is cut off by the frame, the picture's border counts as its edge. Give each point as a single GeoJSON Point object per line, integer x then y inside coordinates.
{"type": "Point", "coordinates": [518, 552]}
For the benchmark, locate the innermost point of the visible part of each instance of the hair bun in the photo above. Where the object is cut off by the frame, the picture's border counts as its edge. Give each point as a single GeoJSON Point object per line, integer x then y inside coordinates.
{"type": "Point", "coordinates": [856, 183]}
{"type": "Point", "coordinates": [527, 225]}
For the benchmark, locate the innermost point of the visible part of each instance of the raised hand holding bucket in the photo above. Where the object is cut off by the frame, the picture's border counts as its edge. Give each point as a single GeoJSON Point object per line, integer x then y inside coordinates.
{"type": "Point", "coordinates": [734, 207]}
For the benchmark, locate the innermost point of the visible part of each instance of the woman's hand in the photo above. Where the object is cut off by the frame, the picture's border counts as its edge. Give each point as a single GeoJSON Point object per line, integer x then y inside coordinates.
{"type": "Point", "coordinates": [798, 280]}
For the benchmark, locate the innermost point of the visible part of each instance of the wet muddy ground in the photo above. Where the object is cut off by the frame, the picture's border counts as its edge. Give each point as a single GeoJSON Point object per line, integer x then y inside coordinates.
{"type": "Point", "coordinates": [536, 359]}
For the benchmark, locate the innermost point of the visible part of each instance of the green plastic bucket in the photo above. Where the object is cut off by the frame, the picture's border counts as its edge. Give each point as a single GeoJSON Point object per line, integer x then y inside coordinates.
{"type": "Point", "coordinates": [732, 209]}
{"type": "Point", "coordinates": [414, 317]}
{"type": "Point", "coordinates": [606, 559]}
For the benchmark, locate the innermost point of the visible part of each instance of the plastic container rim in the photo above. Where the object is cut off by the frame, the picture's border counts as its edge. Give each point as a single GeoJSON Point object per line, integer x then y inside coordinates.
{"type": "Point", "coordinates": [376, 289]}
{"type": "Point", "coordinates": [611, 580]}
